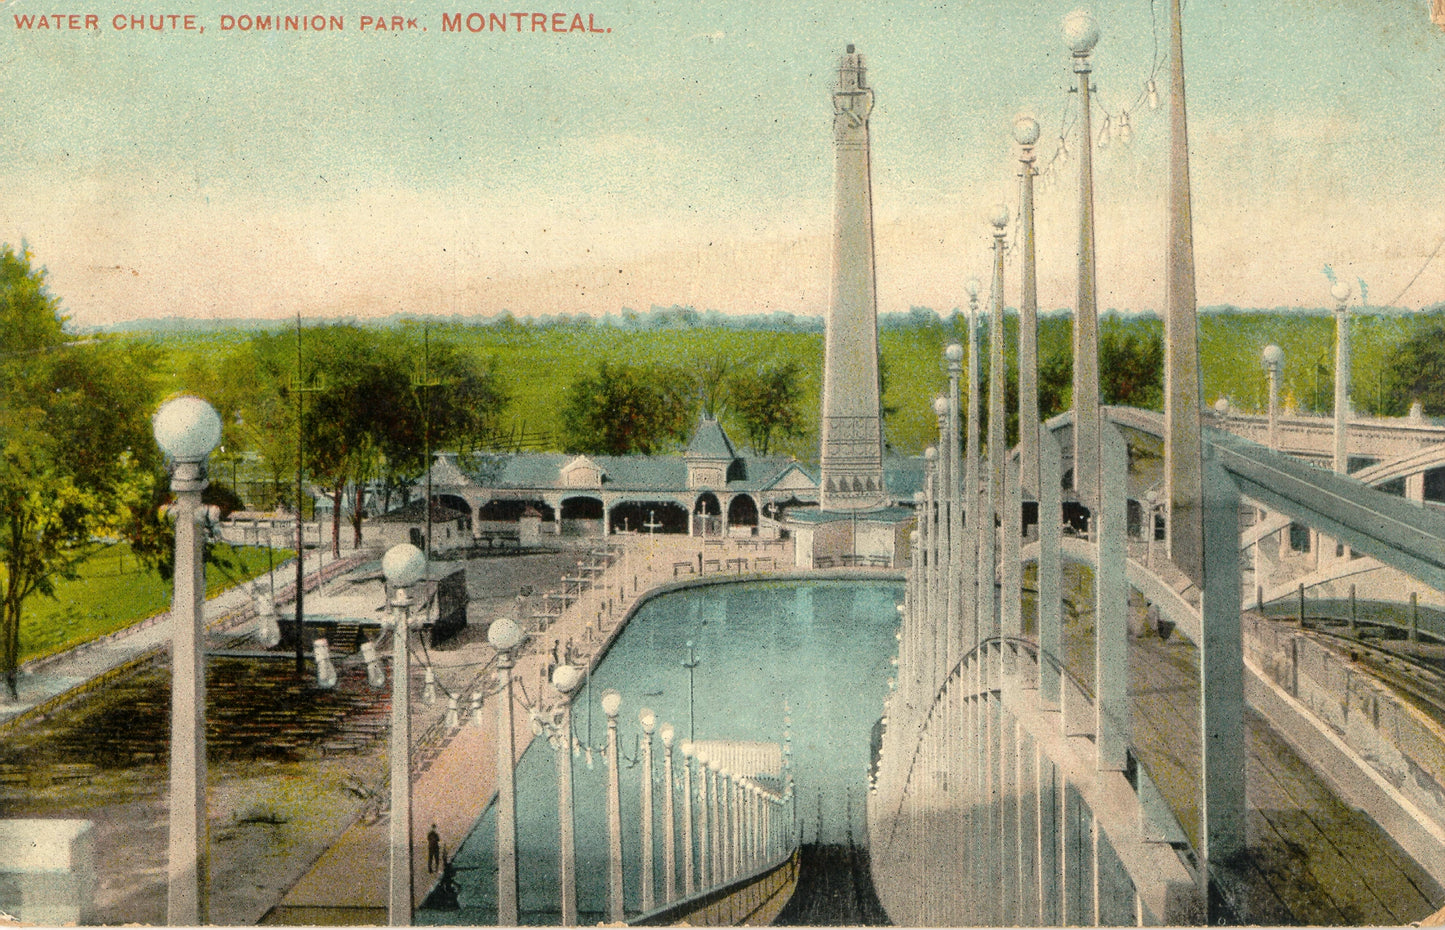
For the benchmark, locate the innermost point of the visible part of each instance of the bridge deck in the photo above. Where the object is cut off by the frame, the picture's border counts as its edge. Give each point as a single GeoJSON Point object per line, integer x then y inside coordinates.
{"type": "Point", "coordinates": [1312, 860]}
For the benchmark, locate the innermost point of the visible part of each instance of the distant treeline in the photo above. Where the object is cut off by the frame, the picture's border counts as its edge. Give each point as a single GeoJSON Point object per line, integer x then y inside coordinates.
{"type": "Point", "coordinates": [675, 317]}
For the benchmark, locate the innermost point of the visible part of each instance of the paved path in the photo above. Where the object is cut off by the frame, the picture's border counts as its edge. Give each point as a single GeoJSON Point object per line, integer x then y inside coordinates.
{"type": "Point", "coordinates": [349, 881]}
{"type": "Point", "coordinates": [48, 682]}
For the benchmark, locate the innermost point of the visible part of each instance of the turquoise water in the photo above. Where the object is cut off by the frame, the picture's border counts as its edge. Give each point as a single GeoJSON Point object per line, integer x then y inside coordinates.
{"type": "Point", "coordinates": [820, 648]}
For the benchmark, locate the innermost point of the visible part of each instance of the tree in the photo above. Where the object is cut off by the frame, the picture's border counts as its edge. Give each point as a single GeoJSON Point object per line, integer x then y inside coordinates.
{"type": "Point", "coordinates": [375, 399]}
{"type": "Point", "coordinates": [1056, 380]}
{"type": "Point", "coordinates": [714, 375]}
{"type": "Point", "coordinates": [624, 409]}
{"type": "Point", "coordinates": [1131, 366]}
{"type": "Point", "coordinates": [74, 445]}
{"type": "Point", "coordinates": [767, 400]}
{"type": "Point", "coordinates": [1416, 371]}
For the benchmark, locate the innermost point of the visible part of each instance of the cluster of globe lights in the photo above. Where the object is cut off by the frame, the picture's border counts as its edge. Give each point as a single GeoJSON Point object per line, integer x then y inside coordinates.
{"type": "Point", "coordinates": [1081, 35]}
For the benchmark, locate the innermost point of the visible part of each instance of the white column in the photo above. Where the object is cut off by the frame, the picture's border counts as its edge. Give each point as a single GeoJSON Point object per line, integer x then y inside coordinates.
{"type": "Point", "coordinates": [646, 861]}
{"type": "Point", "coordinates": [704, 815]}
{"type": "Point", "coordinates": [615, 905]}
{"type": "Point", "coordinates": [997, 368]}
{"type": "Point", "coordinates": [1082, 33]}
{"type": "Point", "coordinates": [1182, 441]}
{"type": "Point", "coordinates": [954, 626]}
{"type": "Point", "coordinates": [1111, 610]}
{"type": "Point", "coordinates": [1026, 133]}
{"type": "Point", "coordinates": [973, 536]}
{"type": "Point", "coordinates": [689, 875]}
{"type": "Point", "coordinates": [1341, 293]}
{"type": "Point", "coordinates": [1051, 619]}
{"type": "Point", "coordinates": [567, 826]}
{"type": "Point", "coordinates": [506, 793]}
{"type": "Point", "coordinates": [1221, 676]}
{"type": "Point", "coordinates": [669, 836]}
{"type": "Point", "coordinates": [188, 870]}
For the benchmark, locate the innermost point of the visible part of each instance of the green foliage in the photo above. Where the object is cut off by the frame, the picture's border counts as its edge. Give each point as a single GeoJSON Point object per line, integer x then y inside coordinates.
{"type": "Point", "coordinates": [371, 402]}
{"type": "Point", "coordinates": [767, 401]}
{"type": "Point", "coordinates": [1416, 371]}
{"type": "Point", "coordinates": [624, 409]}
{"type": "Point", "coordinates": [1131, 363]}
{"type": "Point", "coordinates": [30, 319]}
{"type": "Point", "coordinates": [151, 535]}
{"type": "Point", "coordinates": [73, 438]}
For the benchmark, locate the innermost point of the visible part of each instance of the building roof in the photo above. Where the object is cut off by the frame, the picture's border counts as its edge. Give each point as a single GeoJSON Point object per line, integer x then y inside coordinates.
{"type": "Point", "coordinates": [535, 471]}
{"type": "Point", "coordinates": [544, 471]}
{"type": "Point", "coordinates": [710, 442]}
{"type": "Point", "coordinates": [445, 473]}
{"type": "Point", "coordinates": [414, 513]}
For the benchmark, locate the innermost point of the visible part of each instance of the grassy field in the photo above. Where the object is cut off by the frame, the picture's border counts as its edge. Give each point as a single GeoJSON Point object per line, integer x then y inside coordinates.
{"type": "Point", "coordinates": [113, 591]}
{"type": "Point", "coordinates": [538, 362]}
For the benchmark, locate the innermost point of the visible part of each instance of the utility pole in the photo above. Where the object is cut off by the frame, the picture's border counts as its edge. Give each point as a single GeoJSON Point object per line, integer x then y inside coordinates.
{"type": "Point", "coordinates": [424, 383]}
{"type": "Point", "coordinates": [299, 388]}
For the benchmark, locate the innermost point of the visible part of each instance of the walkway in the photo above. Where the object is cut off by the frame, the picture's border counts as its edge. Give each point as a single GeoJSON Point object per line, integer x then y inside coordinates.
{"type": "Point", "coordinates": [348, 884]}
{"type": "Point", "coordinates": [49, 682]}
{"type": "Point", "coordinates": [1312, 859]}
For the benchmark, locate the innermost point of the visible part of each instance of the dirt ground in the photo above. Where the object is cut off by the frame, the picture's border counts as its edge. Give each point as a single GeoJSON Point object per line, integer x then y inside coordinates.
{"type": "Point", "coordinates": [291, 765]}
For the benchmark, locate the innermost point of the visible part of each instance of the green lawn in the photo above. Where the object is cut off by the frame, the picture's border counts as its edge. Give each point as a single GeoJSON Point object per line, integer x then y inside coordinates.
{"type": "Point", "coordinates": [114, 591]}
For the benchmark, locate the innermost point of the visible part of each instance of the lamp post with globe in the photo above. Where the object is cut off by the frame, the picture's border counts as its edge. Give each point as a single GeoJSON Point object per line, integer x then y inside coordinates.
{"type": "Point", "coordinates": [1081, 34]}
{"type": "Point", "coordinates": [954, 356]}
{"type": "Point", "coordinates": [1026, 134]}
{"type": "Point", "coordinates": [997, 368]}
{"type": "Point", "coordinates": [971, 536]}
{"type": "Point", "coordinates": [611, 704]}
{"type": "Point", "coordinates": [689, 876]}
{"type": "Point", "coordinates": [402, 566]}
{"type": "Point", "coordinates": [187, 429]}
{"type": "Point", "coordinates": [669, 836]}
{"type": "Point", "coordinates": [505, 636]}
{"type": "Point", "coordinates": [649, 722]}
{"type": "Point", "coordinates": [566, 679]}
{"type": "Point", "coordinates": [1273, 358]}
{"type": "Point", "coordinates": [1341, 293]}
{"type": "Point", "coordinates": [704, 817]}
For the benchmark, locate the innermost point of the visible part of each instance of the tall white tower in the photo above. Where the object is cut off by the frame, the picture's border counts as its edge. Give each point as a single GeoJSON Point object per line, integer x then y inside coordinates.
{"type": "Point", "coordinates": [852, 454]}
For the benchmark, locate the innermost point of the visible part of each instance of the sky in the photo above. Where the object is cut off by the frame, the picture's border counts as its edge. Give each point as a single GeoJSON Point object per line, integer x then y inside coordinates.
{"type": "Point", "coordinates": [681, 153]}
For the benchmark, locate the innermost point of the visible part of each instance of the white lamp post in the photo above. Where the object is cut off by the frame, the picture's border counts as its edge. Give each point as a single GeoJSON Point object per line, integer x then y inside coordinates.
{"type": "Point", "coordinates": [566, 679]}
{"type": "Point", "coordinates": [1081, 34]}
{"type": "Point", "coordinates": [689, 877]}
{"type": "Point", "coordinates": [669, 840]}
{"type": "Point", "coordinates": [1026, 134]}
{"type": "Point", "coordinates": [187, 429]}
{"type": "Point", "coordinates": [611, 704]}
{"type": "Point", "coordinates": [954, 356]}
{"type": "Point", "coordinates": [1341, 293]}
{"type": "Point", "coordinates": [505, 636]}
{"type": "Point", "coordinates": [706, 816]}
{"type": "Point", "coordinates": [1273, 357]}
{"type": "Point", "coordinates": [649, 722]}
{"type": "Point", "coordinates": [996, 366]}
{"type": "Point", "coordinates": [729, 797]}
{"type": "Point", "coordinates": [402, 566]}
